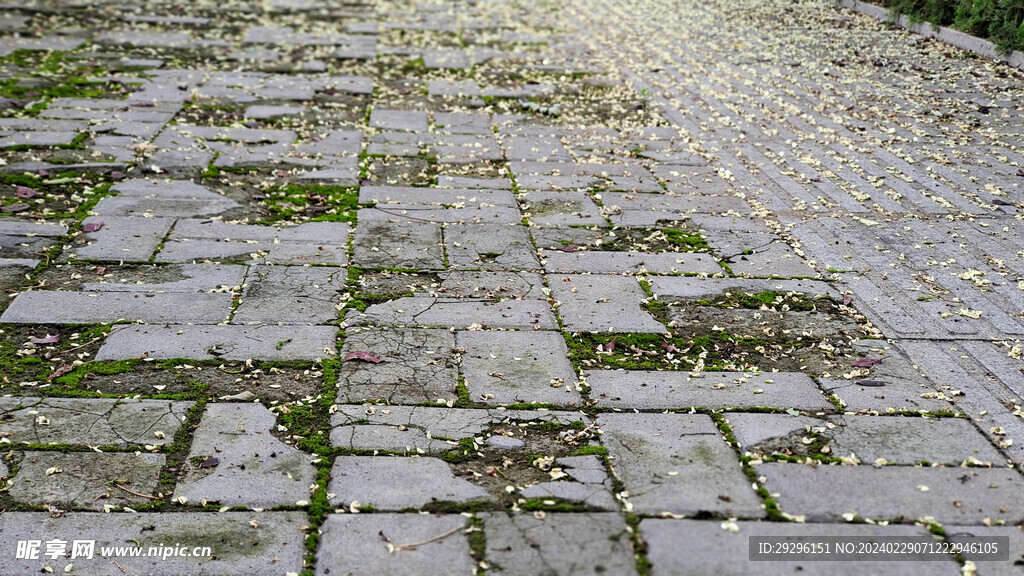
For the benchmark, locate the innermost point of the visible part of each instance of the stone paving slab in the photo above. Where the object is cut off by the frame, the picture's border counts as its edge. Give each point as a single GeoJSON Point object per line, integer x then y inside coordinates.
{"type": "Point", "coordinates": [430, 429]}
{"type": "Point", "coordinates": [390, 483]}
{"type": "Point", "coordinates": [631, 262]}
{"type": "Point", "coordinates": [592, 486]}
{"type": "Point", "coordinates": [241, 543]}
{"type": "Point", "coordinates": [417, 366]}
{"type": "Point", "coordinates": [88, 421]}
{"type": "Point", "coordinates": [510, 314]}
{"type": "Point", "coordinates": [692, 547]}
{"type": "Point", "coordinates": [358, 544]}
{"type": "Point", "coordinates": [490, 247]}
{"type": "Point", "coordinates": [85, 480]}
{"type": "Point", "coordinates": [58, 307]}
{"type": "Point", "coordinates": [196, 278]}
{"type": "Point", "coordinates": [677, 463]}
{"type": "Point", "coordinates": [398, 244]}
{"type": "Point", "coordinates": [219, 342]}
{"type": "Point", "coordinates": [241, 463]}
{"type": "Point", "coordinates": [517, 367]}
{"type": "Point", "coordinates": [645, 389]}
{"type": "Point", "coordinates": [559, 544]}
{"type": "Point", "coordinates": [119, 238]}
{"type": "Point", "coordinates": [698, 288]}
{"type": "Point", "coordinates": [593, 303]}
{"type": "Point", "coordinates": [290, 295]}
{"type": "Point", "coordinates": [950, 495]}
{"type": "Point", "coordinates": [479, 284]}
{"type": "Point", "coordinates": [561, 209]}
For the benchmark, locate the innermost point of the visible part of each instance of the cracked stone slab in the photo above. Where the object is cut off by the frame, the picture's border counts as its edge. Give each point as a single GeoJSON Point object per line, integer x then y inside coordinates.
{"type": "Point", "coordinates": [698, 288]}
{"type": "Point", "coordinates": [358, 544]}
{"type": "Point", "coordinates": [395, 483]}
{"type": "Point", "coordinates": [677, 463]}
{"type": "Point", "coordinates": [219, 342]}
{"type": "Point", "coordinates": [59, 307]}
{"type": "Point", "coordinates": [166, 199]}
{"type": "Point", "coordinates": [480, 284]}
{"type": "Point", "coordinates": [482, 214]}
{"type": "Point", "coordinates": [196, 278]}
{"type": "Point", "coordinates": [128, 239]}
{"type": "Point", "coordinates": [648, 209]}
{"type": "Point", "coordinates": [404, 196]}
{"type": "Point", "coordinates": [509, 314]}
{"type": "Point", "coordinates": [417, 366]}
{"type": "Point", "coordinates": [254, 468]}
{"type": "Point", "coordinates": [491, 247]}
{"type": "Point", "coordinates": [413, 428]}
{"type": "Point", "coordinates": [242, 543]}
{"type": "Point", "coordinates": [517, 367]}
{"type": "Point", "coordinates": [90, 421]}
{"type": "Point", "coordinates": [178, 249]}
{"type": "Point", "coordinates": [695, 547]}
{"type": "Point", "coordinates": [398, 245]}
{"type": "Point", "coordinates": [82, 476]}
{"type": "Point", "coordinates": [290, 295]}
{"type": "Point", "coordinates": [597, 303]}
{"type": "Point", "coordinates": [950, 495]}
{"type": "Point", "coordinates": [602, 262]}
{"type": "Point", "coordinates": [778, 259]}
{"type": "Point", "coordinates": [559, 544]}
{"type": "Point", "coordinates": [592, 487]}
{"type": "Point", "coordinates": [562, 209]}
{"type": "Point", "coordinates": [646, 389]}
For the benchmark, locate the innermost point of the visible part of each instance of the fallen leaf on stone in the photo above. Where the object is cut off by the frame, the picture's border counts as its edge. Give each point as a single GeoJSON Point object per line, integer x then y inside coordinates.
{"type": "Point", "coordinates": [361, 355]}
{"type": "Point", "coordinates": [24, 192]}
{"type": "Point", "coordinates": [12, 208]}
{"type": "Point", "coordinates": [872, 383]}
{"type": "Point", "coordinates": [47, 340]}
{"type": "Point", "coordinates": [92, 226]}
{"type": "Point", "coordinates": [1020, 171]}
{"type": "Point", "coordinates": [866, 362]}
{"type": "Point", "coordinates": [210, 462]}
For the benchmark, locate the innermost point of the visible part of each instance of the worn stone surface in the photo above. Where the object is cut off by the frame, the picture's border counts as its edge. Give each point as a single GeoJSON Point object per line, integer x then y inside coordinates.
{"type": "Point", "coordinates": [677, 463]}
{"type": "Point", "coordinates": [691, 547]}
{"type": "Point", "coordinates": [89, 421]}
{"type": "Point", "coordinates": [235, 461]}
{"type": "Point", "coordinates": [53, 307]}
{"type": "Point", "coordinates": [358, 544]}
{"type": "Point", "coordinates": [649, 389]}
{"type": "Point", "coordinates": [390, 483]}
{"type": "Point", "coordinates": [290, 295]}
{"type": "Point", "coordinates": [411, 311]}
{"type": "Point", "coordinates": [592, 303]}
{"type": "Point", "coordinates": [240, 543]}
{"type": "Point", "coordinates": [219, 342]}
{"type": "Point", "coordinates": [950, 495]}
{"type": "Point", "coordinates": [85, 480]}
{"type": "Point", "coordinates": [417, 366]}
{"type": "Point", "coordinates": [631, 262]}
{"type": "Point", "coordinates": [562, 544]}
{"type": "Point", "coordinates": [517, 367]}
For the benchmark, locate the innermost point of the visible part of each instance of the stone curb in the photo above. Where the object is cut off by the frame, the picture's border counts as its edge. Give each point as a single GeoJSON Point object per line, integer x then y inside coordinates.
{"type": "Point", "coordinates": [950, 36]}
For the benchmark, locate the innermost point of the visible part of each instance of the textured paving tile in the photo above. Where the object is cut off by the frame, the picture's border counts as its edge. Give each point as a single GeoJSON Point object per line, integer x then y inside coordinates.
{"type": "Point", "coordinates": [89, 421]}
{"type": "Point", "coordinates": [490, 247]}
{"type": "Point", "coordinates": [559, 544]}
{"type": "Point", "coordinates": [358, 544]}
{"type": "Point", "coordinates": [591, 487]}
{"type": "Point", "coordinates": [290, 295]}
{"type": "Point", "coordinates": [950, 495]}
{"type": "Point", "coordinates": [677, 463]}
{"type": "Point", "coordinates": [631, 262]}
{"type": "Point", "coordinates": [85, 480]}
{"type": "Point", "coordinates": [240, 543]}
{"type": "Point", "coordinates": [417, 366]}
{"type": "Point", "coordinates": [592, 303]}
{"type": "Point", "coordinates": [692, 547]}
{"type": "Point", "coordinates": [411, 311]}
{"type": "Point", "coordinates": [653, 389]}
{"type": "Point", "coordinates": [57, 307]}
{"type": "Point", "coordinates": [517, 367]}
{"type": "Point", "coordinates": [389, 483]}
{"type": "Point", "coordinates": [401, 245]}
{"type": "Point", "coordinates": [219, 342]}
{"type": "Point", "coordinates": [244, 464]}
{"type": "Point", "coordinates": [431, 429]}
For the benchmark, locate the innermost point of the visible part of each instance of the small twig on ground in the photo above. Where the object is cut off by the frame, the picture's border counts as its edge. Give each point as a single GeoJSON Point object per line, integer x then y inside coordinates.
{"type": "Point", "coordinates": [139, 494]}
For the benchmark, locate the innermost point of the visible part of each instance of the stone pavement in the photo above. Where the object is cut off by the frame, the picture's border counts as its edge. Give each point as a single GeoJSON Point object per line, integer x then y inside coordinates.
{"type": "Point", "coordinates": [570, 287]}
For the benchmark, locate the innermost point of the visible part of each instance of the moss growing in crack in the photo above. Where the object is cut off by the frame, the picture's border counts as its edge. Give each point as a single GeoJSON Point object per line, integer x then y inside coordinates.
{"type": "Point", "coordinates": [770, 299]}
{"type": "Point", "coordinates": [643, 565]}
{"type": "Point", "coordinates": [590, 451]}
{"type": "Point", "coordinates": [540, 504]}
{"type": "Point", "coordinates": [691, 242]}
